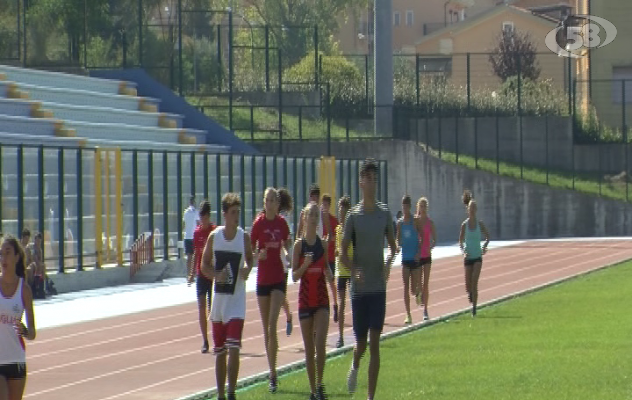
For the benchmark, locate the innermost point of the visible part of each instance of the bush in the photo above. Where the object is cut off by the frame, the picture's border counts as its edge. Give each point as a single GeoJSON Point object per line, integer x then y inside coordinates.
{"type": "Point", "coordinates": [346, 83]}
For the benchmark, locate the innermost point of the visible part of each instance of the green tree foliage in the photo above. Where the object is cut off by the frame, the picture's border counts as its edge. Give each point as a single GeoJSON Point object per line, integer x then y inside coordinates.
{"type": "Point", "coordinates": [515, 54]}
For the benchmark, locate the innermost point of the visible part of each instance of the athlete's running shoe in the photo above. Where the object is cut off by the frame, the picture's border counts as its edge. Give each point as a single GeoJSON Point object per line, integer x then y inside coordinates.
{"type": "Point", "coordinates": [352, 379]}
{"type": "Point", "coordinates": [320, 392]}
{"type": "Point", "coordinates": [426, 317]}
{"type": "Point", "coordinates": [340, 342]}
{"type": "Point", "coordinates": [205, 348]}
{"type": "Point", "coordinates": [408, 320]}
{"type": "Point", "coordinates": [288, 328]}
{"type": "Point", "coordinates": [274, 385]}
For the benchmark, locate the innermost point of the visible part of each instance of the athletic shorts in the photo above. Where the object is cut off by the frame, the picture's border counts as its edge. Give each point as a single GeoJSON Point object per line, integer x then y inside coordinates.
{"type": "Point", "coordinates": [343, 283]}
{"type": "Point", "coordinates": [368, 311]}
{"type": "Point", "coordinates": [13, 371]}
{"type": "Point", "coordinates": [266, 290]}
{"type": "Point", "coordinates": [410, 264]}
{"type": "Point", "coordinates": [188, 246]}
{"type": "Point", "coordinates": [472, 261]}
{"type": "Point", "coordinates": [425, 261]}
{"type": "Point", "coordinates": [304, 313]}
{"type": "Point", "coordinates": [204, 286]}
{"type": "Point", "coordinates": [227, 335]}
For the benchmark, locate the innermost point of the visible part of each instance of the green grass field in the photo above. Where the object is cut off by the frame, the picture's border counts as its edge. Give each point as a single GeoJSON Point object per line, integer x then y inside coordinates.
{"type": "Point", "coordinates": [570, 341]}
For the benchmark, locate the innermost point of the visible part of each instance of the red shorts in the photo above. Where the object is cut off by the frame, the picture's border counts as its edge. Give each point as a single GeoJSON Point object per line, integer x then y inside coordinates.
{"type": "Point", "coordinates": [228, 335]}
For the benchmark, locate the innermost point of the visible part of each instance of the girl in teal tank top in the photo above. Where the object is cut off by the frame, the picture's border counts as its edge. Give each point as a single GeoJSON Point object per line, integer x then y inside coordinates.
{"type": "Point", "coordinates": [408, 241]}
{"type": "Point", "coordinates": [472, 231]}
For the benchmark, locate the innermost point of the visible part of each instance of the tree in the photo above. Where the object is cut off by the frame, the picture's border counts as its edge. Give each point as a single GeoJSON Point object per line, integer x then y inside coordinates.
{"type": "Point", "coordinates": [292, 22]}
{"type": "Point", "coordinates": [514, 55]}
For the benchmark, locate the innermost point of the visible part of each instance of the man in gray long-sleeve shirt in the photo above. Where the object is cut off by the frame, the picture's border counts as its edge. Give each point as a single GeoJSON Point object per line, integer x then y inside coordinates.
{"type": "Point", "coordinates": [365, 227]}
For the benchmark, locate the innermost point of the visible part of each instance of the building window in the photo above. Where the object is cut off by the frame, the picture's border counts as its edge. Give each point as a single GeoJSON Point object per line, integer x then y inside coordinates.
{"type": "Point", "coordinates": [619, 76]}
{"type": "Point", "coordinates": [508, 27]}
{"type": "Point", "coordinates": [410, 18]}
{"type": "Point", "coordinates": [436, 66]}
{"type": "Point", "coordinates": [396, 18]}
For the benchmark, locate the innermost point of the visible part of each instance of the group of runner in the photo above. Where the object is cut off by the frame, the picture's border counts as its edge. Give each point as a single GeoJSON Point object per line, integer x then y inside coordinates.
{"type": "Point", "coordinates": [350, 249]}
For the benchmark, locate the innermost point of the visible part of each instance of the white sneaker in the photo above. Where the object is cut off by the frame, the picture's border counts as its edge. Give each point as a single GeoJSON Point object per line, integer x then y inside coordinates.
{"type": "Point", "coordinates": [352, 379]}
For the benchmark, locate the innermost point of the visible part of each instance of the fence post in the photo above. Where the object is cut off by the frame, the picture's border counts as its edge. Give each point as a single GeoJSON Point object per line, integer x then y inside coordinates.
{"type": "Point", "coordinates": [150, 189]}
{"type": "Point", "coordinates": [20, 187]}
{"type": "Point", "coordinates": [267, 56]}
{"type": "Point", "coordinates": [546, 143]}
{"type": "Point", "coordinates": [62, 210]}
{"type": "Point", "coordinates": [180, 69]}
{"type": "Point", "coordinates": [328, 114]}
{"type": "Point", "coordinates": [497, 143]}
{"type": "Point", "coordinates": [85, 34]}
{"type": "Point", "coordinates": [456, 137]}
{"type": "Point", "coordinates": [625, 139]}
{"type": "Point", "coordinates": [469, 83]}
{"type": "Point", "coordinates": [253, 184]}
{"type": "Point", "coordinates": [252, 123]}
{"type": "Point", "coordinates": [98, 209]}
{"type": "Point", "coordinates": [417, 83]}
{"type": "Point", "coordinates": [280, 103]}
{"type": "Point", "coordinates": [140, 33]}
{"type": "Point", "coordinates": [42, 195]}
{"type": "Point", "coordinates": [475, 142]}
{"type": "Point", "coordinates": [230, 70]}
{"type": "Point", "coordinates": [165, 205]}
{"type": "Point", "coordinates": [118, 171]}
{"type": "Point", "coordinates": [206, 186]}
{"type": "Point", "coordinates": [242, 180]}
{"type": "Point", "coordinates": [316, 58]}
{"type": "Point", "coordinates": [218, 193]}
{"type": "Point", "coordinates": [24, 35]}
{"type": "Point", "coordinates": [230, 172]}
{"type": "Point", "coordinates": [135, 225]}
{"type": "Point", "coordinates": [179, 194]}
{"type": "Point", "coordinates": [79, 170]}
{"type": "Point", "coordinates": [366, 80]}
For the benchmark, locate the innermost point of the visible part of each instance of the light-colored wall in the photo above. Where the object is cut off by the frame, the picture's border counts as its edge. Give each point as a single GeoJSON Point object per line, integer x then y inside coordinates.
{"type": "Point", "coordinates": [481, 39]}
{"type": "Point", "coordinates": [511, 208]}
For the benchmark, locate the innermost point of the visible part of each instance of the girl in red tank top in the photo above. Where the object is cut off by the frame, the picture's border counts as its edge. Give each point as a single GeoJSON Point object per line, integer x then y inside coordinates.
{"type": "Point", "coordinates": [310, 265]}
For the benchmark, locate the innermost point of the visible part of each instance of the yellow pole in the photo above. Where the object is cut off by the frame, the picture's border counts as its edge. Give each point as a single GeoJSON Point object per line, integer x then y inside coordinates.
{"type": "Point", "coordinates": [119, 206]}
{"type": "Point", "coordinates": [327, 179]}
{"type": "Point", "coordinates": [98, 209]}
{"type": "Point", "coordinates": [107, 206]}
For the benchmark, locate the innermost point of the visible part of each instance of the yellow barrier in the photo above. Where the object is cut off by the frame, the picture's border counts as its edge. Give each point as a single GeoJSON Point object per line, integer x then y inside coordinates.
{"type": "Point", "coordinates": [103, 193]}
{"type": "Point", "coordinates": [327, 180]}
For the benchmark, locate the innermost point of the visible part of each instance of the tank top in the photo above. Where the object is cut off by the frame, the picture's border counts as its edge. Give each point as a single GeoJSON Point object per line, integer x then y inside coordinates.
{"type": "Point", "coordinates": [313, 286]}
{"type": "Point", "coordinates": [473, 240]}
{"type": "Point", "coordinates": [12, 349]}
{"type": "Point", "coordinates": [410, 240]}
{"type": "Point", "coordinates": [229, 297]}
{"type": "Point", "coordinates": [426, 237]}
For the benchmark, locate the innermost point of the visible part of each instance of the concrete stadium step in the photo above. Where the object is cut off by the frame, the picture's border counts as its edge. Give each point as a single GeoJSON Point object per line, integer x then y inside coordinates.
{"type": "Point", "coordinates": [123, 133]}
{"type": "Point", "coordinates": [33, 127]}
{"type": "Point", "coordinates": [83, 97]}
{"type": "Point", "coordinates": [86, 113]}
{"type": "Point", "coordinates": [64, 80]}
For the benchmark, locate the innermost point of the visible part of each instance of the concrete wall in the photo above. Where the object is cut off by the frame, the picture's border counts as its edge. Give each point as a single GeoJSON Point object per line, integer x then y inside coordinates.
{"type": "Point", "coordinates": [547, 142]}
{"type": "Point", "coordinates": [512, 209]}
{"type": "Point", "coordinates": [114, 276]}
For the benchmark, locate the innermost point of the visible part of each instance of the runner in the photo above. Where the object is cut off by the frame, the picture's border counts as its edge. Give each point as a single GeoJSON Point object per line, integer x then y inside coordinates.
{"type": "Point", "coordinates": [269, 234]}
{"type": "Point", "coordinates": [190, 220]}
{"type": "Point", "coordinates": [286, 205]}
{"type": "Point", "coordinates": [365, 227]}
{"type": "Point", "coordinates": [428, 236]}
{"type": "Point", "coordinates": [204, 285]}
{"type": "Point", "coordinates": [323, 223]}
{"type": "Point", "coordinates": [470, 237]}
{"type": "Point", "coordinates": [408, 241]}
{"type": "Point", "coordinates": [15, 300]}
{"type": "Point", "coordinates": [331, 252]}
{"type": "Point", "coordinates": [226, 250]}
{"type": "Point", "coordinates": [310, 265]}
{"type": "Point", "coordinates": [342, 272]}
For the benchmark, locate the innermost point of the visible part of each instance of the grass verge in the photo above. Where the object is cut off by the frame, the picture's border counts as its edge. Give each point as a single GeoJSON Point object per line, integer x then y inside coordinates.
{"type": "Point", "coordinates": [569, 341]}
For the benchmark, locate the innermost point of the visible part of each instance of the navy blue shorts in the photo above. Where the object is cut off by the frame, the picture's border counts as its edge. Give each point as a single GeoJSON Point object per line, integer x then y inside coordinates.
{"type": "Point", "coordinates": [188, 246]}
{"type": "Point", "coordinates": [369, 311]}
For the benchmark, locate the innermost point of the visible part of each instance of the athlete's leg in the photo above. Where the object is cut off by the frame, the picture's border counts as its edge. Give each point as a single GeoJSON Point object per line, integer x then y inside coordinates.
{"type": "Point", "coordinates": [342, 295]}
{"type": "Point", "coordinates": [4, 389]}
{"type": "Point", "coordinates": [468, 281]}
{"type": "Point", "coordinates": [16, 388]}
{"type": "Point", "coordinates": [406, 278]}
{"type": "Point", "coordinates": [476, 273]}
{"type": "Point", "coordinates": [307, 330]}
{"type": "Point", "coordinates": [374, 362]}
{"type": "Point", "coordinates": [425, 289]}
{"type": "Point", "coordinates": [233, 368]}
{"type": "Point", "coordinates": [276, 300]}
{"type": "Point", "coordinates": [321, 328]}
{"type": "Point", "coordinates": [220, 374]}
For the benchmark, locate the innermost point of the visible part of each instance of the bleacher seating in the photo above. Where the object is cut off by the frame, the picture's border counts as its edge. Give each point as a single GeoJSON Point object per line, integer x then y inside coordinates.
{"type": "Point", "coordinates": [88, 111]}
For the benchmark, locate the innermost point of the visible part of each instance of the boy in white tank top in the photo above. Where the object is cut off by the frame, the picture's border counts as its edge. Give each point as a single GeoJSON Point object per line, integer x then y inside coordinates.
{"type": "Point", "coordinates": [228, 260]}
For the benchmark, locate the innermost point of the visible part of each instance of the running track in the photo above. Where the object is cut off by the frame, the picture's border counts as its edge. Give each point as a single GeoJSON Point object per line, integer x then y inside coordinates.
{"type": "Point", "coordinates": [155, 355]}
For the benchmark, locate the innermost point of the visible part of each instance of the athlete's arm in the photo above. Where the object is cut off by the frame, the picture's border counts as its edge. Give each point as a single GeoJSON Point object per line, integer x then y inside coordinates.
{"type": "Point", "coordinates": [27, 300]}
{"type": "Point", "coordinates": [399, 233]}
{"type": "Point", "coordinates": [207, 268]}
{"type": "Point", "coordinates": [462, 238]}
{"type": "Point", "coordinates": [326, 225]}
{"type": "Point", "coordinates": [298, 270]}
{"type": "Point", "coordinates": [344, 246]}
{"type": "Point", "coordinates": [390, 236]}
{"type": "Point", "coordinates": [300, 226]}
{"type": "Point", "coordinates": [245, 272]}
{"type": "Point", "coordinates": [486, 234]}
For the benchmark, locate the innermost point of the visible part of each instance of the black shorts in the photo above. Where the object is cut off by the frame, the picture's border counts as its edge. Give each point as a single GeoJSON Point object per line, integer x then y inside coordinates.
{"type": "Point", "coordinates": [471, 261]}
{"type": "Point", "coordinates": [13, 371]}
{"type": "Point", "coordinates": [343, 283]}
{"type": "Point", "coordinates": [188, 246]}
{"type": "Point", "coordinates": [266, 290]}
{"type": "Point", "coordinates": [425, 261]}
{"type": "Point", "coordinates": [304, 313]}
{"type": "Point", "coordinates": [410, 264]}
{"type": "Point", "coordinates": [204, 286]}
{"type": "Point", "coordinates": [332, 267]}
{"type": "Point", "coordinates": [369, 311]}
